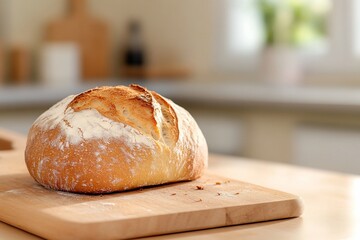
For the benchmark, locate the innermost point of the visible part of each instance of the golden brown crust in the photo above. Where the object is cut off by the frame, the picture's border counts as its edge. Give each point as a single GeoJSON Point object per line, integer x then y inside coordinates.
{"type": "Point", "coordinates": [130, 105]}
{"type": "Point", "coordinates": [112, 139]}
{"type": "Point", "coordinates": [169, 127]}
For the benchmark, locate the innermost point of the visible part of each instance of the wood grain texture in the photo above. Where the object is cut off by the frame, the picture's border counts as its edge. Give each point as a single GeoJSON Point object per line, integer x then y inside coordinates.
{"type": "Point", "coordinates": [90, 34]}
{"type": "Point", "coordinates": [151, 211]}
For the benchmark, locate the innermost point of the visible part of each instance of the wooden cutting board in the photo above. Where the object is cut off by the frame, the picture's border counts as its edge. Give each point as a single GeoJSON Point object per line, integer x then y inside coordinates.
{"type": "Point", "coordinates": [90, 34]}
{"type": "Point", "coordinates": [150, 211]}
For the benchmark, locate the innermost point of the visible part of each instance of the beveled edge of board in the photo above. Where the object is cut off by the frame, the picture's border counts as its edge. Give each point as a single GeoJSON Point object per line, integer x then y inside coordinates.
{"type": "Point", "coordinates": [11, 141]}
{"type": "Point", "coordinates": [79, 230]}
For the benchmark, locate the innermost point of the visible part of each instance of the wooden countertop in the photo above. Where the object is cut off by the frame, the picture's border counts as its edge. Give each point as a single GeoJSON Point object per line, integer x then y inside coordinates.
{"type": "Point", "coordinates": [331, 203]}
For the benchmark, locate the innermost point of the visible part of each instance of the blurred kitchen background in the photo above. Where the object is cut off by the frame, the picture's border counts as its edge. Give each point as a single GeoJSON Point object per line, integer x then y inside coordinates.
{"type": "Point", "coordinates": [276, 80]}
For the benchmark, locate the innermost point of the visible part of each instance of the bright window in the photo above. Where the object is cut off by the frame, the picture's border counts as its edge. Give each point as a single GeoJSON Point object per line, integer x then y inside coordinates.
{"type": "Point", "coordinates": [356, 28]}
{"type": "Point", "coordinates": [245, 35]}
{"type": "Point", "coordinates": [326, 33]}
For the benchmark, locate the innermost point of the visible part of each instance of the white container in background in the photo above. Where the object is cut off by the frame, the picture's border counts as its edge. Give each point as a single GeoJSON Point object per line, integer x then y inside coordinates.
{"type": "Point", "coordinates": [281, 65]}
{"type": "Point", "coordinates": [60, 64]}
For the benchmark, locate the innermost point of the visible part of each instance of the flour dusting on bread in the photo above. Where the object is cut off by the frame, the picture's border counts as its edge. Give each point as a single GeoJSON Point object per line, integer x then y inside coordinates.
{"type": "Point", "coordinates": [86, 124]}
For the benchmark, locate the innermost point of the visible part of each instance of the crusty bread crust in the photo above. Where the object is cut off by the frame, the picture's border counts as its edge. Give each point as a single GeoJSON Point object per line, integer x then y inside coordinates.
{"type": "Point", "coordinates": [112, 139]}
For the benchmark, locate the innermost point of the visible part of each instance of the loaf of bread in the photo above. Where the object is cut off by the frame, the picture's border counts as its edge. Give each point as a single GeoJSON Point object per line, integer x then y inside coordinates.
{"type": "Point", "coordinates": [112, 139]}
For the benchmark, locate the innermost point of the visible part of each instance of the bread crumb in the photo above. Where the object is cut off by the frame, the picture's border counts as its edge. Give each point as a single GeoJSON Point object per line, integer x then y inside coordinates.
{"type": "Point", "coordinates": [218, 183]}
{"type": "Point", "coordinates": [200, 200]}
{"type": "Point", "coordinates": [218, 194]}
{"type": "Point", "coordinates": [227, 181]}
{"type": "Point", "coordinates": [173, 194]}
{"type": "Point", "coordinates": [199, 187]}
{"type": "Point", "coordinates": [237, 193]}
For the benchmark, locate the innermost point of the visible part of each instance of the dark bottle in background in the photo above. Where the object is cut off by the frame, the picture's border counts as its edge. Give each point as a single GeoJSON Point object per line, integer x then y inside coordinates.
{"type": "Point", "coordinates": [134, 58]}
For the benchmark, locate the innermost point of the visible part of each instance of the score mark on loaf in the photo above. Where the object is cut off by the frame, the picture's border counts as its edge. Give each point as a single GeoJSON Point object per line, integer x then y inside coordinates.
{"type": "Point", "coordinates": [112, 139]}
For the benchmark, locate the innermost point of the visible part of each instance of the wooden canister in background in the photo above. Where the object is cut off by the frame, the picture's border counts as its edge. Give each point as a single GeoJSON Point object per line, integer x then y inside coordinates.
{"type": "Point", "coordinates": [1, 64]}
{"type": "Point", "coordinates": [20, 67]}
